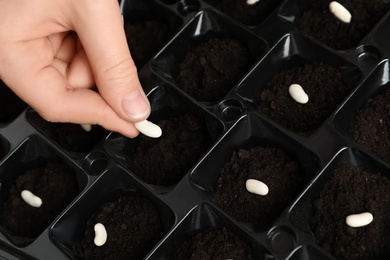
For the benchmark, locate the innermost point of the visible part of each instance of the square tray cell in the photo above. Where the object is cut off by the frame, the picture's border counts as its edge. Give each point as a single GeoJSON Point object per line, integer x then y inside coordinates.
{"type": "Point", "coordinates": [68, 232]}
{"type": "Point", "coordinates": [357, 190]}
{"type": "Point", "coordinates": [205, 29]}
{"type": "Point", "coordinates": [11, 106]}
{"type": "Point", "coordinates": [292, 52]}
{"type": "Point", "coordinates": [247, 14]}
{"type": "Point", "coordinates": [364, 117]}
{"type": "Point", "coordinates": [164, 161]}
{"type": "Point", "coordinates": [72, 137]}
{"type": "Point", "coordinates": [295, 169]}
{"type": "Point", "coordinates": [148, 26]}
{"type": "Point", "coordinates": [33, 166]}
{"type": "Point", "coordinates": [315, 19]}
{"type": "Point", "coordinates": [202, 218]}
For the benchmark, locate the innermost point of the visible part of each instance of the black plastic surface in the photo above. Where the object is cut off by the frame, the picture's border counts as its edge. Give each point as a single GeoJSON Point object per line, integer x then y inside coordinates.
{"type": "Point", "coordinates": [105, 169]}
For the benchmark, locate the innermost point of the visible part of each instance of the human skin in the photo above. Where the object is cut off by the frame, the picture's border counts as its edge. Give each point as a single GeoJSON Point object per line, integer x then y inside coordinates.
{"type": "Point", "coordinates": [55, 54]}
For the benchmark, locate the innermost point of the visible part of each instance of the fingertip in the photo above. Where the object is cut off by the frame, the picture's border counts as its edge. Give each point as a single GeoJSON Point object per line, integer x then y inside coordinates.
{"type": "Point", "coordinates": [127, 130]}
{"type": "Point", "coordinates": [136, 105]}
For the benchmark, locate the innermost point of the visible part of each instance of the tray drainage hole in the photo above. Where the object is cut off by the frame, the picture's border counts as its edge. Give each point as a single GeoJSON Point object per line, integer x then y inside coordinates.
{"type": "Point", "coordinates": [282, 240]}
{"type": "Point", "coordinates": [367, 56]}
{"type": "Point", "coordinates": [188, 6]}
{"type": "Point", "coordinates": [95, 163]}
{"type": "Point", "coordinates": [230, 110]}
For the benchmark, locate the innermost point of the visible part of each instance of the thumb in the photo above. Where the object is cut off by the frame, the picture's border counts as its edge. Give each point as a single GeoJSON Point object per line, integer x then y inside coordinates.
{"type": "Point", "coordinates": [99, 26]}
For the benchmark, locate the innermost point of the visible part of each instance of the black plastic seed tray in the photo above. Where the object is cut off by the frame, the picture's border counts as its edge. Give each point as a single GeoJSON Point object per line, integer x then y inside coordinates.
{"type": "Point", "coordinates": [106, 165]}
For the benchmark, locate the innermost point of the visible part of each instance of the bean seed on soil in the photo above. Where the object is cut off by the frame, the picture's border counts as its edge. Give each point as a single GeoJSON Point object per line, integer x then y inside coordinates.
{"type": "Point", "coordinates": [86, 127]}
{"type": "Point", "coordinates": [252, 2]}
{"type": "Point", "coordinates": [31, 199]}
{"type": "Point", "coordinates": [298, 94]}
{"type": "Point", "coordinates": [256, 187]}
{"type": "Point", "coordinates": [359, 220]}
{"type": "Point", "coordinates": [100, 234]}
{"type": "Point", "coordinates": [340, 12]}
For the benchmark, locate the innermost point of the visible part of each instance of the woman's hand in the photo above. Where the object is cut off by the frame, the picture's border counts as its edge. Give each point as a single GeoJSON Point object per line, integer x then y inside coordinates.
{"type": "Point", "coordinates": [54, 53]}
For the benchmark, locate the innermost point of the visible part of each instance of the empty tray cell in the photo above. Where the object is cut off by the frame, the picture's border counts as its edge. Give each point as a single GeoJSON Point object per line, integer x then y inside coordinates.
{"type": "Point", "coordinates": [50, 182]}
{"type": "Point", "coordinates": [208, 57]}
{"type": "Point", "coordinates": [148, 26]}
{"type": "Point", "coordinates": [323, 76]}
{"type": "Point", "coordinates": [134, 221]}
{"type": "Point", "coordinates": [315, 19]}
{"type": "Point", "coordinates": [352, 184]}
{"type": "Point", "coordinates": [188, 132]}
{"type": "Point", "coordinates": [255, 151]}
{"type": "Point", "coordinates": [74, 138]}
{"type": "Point", "coordinates": [206, 234]}
{"type": "Point", "coordinates": [11, 106]}
{"type": "Point", "coordinates": [248, 12]}
{"type": "Point", "coordinates": [364, 118]}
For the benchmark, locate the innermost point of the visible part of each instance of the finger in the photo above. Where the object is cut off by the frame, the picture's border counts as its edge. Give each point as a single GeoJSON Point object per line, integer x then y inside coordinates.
{"type": "Point", "coordinates": [45, 89]}
{"type": "Point", "coordinates": [56, 103]}
{"type": "Point", "coordinates": [80, 72]}
{"type": "Point", "coordinates": [61, 66]}
{"type": "Point", "coordinates": [72, 62]}
{"type": "Point", "coordinates": [67, 48]}
{"type": "Point", "coordinates": [100, 28]}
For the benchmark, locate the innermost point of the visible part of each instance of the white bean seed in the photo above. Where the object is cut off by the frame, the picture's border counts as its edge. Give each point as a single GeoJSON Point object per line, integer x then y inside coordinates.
{"type": "Point", "coordinates": [100, 234]}
{"type": "Point", "coordinates": [31, 199]}
{"type": "Point", "coordinates": [298, 94]}
{"type": "Point", "coordinates": [340, 12]}
{"type": "Point", "coordinates": [256, 187]}
{"type": "Point", "coordinates": [359, 220]}
{"type": "Point", "coordinates": [148, 128]}
{"type": "Point", "coordinates": [86, 127]}
{"type": "Point", "coordinates": [252, 2]}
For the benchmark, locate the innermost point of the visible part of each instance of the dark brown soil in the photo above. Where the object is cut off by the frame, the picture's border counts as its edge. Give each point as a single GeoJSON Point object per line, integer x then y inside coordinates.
{"type": "Point", "coordinates": [145, 39]}
{"type": "Point", "coordinates": [320, 23]}
{"type": "Point", "coordinates": [248, 14]}
{"type": "Point", "coordinates": [165, 160]}
{"type": "Point", "coordinates": [11, 106]}
{"type": "Point", "coordinates": [55, 184]}
{"type": "Point", "coordinates": [73, 138]}
{"type": "Point", "coordinates": [270, 165]}
{"type": "Point", "coordinates": [133, 228]}
{"type": "Point", "coordinates": [212, 68]}
{"type": "Point", "coordinates": [323, 84]}
{"type": "Point", "coordinates": [371, 126]}
{"type": "Point", "coordinates": [213, 243]}
{"type": "Point", "coordinates": [351, 191]}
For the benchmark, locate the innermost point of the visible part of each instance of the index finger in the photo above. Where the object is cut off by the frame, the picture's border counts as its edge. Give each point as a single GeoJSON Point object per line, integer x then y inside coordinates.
{"type": "Point", "coordinates": [99, 26]}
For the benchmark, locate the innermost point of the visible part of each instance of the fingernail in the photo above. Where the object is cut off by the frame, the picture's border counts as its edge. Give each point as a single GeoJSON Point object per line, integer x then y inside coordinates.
{"type": "Point", "coordinates": [136, 105]}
